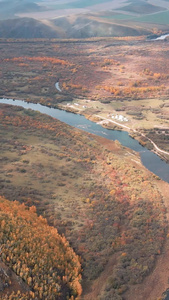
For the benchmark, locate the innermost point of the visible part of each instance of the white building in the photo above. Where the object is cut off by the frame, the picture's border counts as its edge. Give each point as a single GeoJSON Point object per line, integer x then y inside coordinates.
{"type": "Point", "coordinates": [120, 118]}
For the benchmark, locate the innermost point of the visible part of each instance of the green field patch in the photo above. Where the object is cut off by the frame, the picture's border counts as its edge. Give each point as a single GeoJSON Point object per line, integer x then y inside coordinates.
{"type": "Point", "coordinates": [118, 16]}
{"type": "Point", "coordinates": [77, 4]}
{"type": "Point", "coordinates": [142, 8]}
{"type": "Point", "coordinates": [158, 18]}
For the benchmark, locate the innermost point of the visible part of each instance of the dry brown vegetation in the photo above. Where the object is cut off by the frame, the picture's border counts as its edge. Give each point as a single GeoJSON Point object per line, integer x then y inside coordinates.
{"type": "Point", "coordinates": [116, 74]}
{"type": "Point", "coordinates": [102, 68]}
{"type": "Point", "coordinates": [109, 209]}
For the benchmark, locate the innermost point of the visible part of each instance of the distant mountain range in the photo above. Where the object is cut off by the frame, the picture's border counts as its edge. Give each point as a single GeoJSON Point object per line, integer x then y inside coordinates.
{"type": "Point", "coordinates": [81, 18]}
{"type": "Point", "coordinates": [81, 27]}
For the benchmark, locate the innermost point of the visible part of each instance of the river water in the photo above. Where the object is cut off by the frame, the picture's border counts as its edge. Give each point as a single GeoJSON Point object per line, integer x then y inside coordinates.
{"type": "Point", "coordinates": [149, 159]}
{"type": "Point", "coordinates": [161, 37]}
{"type": "Point", "coordinates": [57, 86]}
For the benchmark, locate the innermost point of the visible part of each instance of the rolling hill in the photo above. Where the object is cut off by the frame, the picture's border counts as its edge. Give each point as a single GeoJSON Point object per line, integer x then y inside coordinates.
{"type": "Point", "coordinates": [10, 8]}
{"type": "Point", "coordinates": [80, 27]}
{"type": "Point", "coordinates": [99, 196]}
{"type": "Point", "coordinates": [80, 19]}
{"type": "Point", "coordinates": [26, 28]}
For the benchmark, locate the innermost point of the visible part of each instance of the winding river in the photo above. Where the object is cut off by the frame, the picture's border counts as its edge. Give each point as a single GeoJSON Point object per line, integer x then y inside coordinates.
{"type": "Point", "coordinates": [149, 159]}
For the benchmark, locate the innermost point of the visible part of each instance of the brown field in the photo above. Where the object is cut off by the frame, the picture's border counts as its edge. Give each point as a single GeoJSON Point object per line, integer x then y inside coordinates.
{"type": "Point", "coordinates": [128, 76]}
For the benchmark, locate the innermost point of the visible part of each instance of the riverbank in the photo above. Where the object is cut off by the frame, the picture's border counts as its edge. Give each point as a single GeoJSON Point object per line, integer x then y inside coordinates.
{"type": "Point", "coordinates": [148, 158]}
{"type": "Point", "coordinates": [106, 122]}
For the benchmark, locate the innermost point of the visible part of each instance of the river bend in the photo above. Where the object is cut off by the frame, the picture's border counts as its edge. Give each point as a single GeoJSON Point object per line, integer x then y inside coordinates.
{"type": "Point", "coordinates": [149, 159]}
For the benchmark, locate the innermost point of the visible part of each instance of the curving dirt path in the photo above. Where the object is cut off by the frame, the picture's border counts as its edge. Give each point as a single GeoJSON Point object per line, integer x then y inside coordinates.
{"type": "Point", "coordinates": [98, 285]}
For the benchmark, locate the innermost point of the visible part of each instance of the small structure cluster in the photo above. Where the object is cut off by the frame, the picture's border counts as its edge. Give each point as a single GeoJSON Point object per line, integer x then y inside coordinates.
{"type": "Point", "coordinates": [120, 118]}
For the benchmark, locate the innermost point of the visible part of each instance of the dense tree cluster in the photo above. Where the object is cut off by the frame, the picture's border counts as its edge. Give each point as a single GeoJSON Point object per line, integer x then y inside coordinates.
{"type": "Point", "coordinates": [52, 60]}
{"type": "Point", "coordinates": [133, 90]}
{"type": "Point", "coordinates": [37, 253]}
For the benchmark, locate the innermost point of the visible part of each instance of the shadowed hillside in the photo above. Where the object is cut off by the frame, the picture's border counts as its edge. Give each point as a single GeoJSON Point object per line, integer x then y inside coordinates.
{"type": "Point", "coordinates": [26, 28]}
